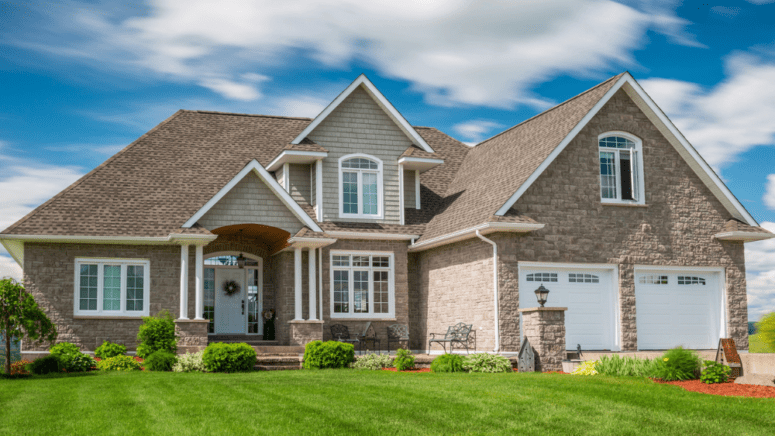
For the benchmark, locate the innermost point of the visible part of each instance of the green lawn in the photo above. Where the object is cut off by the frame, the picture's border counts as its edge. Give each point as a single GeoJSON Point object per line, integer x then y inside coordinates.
{"type": "Point", "coordinates": [756, 345]}
{"type": "Point", "coordinates": [369, 403]}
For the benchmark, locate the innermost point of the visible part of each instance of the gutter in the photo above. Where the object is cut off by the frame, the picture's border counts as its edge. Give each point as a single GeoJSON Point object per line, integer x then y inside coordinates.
{"type": "Point", "coordinates": [488, 227]}
{"type": "Point", "coordinates": [494, 288]}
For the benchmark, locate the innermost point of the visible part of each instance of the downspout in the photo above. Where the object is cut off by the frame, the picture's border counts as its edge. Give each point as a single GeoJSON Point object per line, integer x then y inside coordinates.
{"type": "Point", "coordinates": [494, 287]}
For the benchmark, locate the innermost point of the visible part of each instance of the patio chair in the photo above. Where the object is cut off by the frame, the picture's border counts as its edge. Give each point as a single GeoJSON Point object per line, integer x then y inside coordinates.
{"type": "Point", "coordinates": [341, 333]}
{"type": "Point", "coordinates": [397, 333]}
{"type": "Point", "coordinates": [459, 334]}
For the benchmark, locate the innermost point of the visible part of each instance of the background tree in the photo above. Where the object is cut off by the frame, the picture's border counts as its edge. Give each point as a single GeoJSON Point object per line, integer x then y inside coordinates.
{"type": "Point", "coordinates": [20, 316]}
{"type": "Point", "coordinates": [765, 328]}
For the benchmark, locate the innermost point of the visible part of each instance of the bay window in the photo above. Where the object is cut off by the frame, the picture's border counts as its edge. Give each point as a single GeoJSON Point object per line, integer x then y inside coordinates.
{"type": "Point", "coordinates": [362, 285]}
{"type": "Point", "coordinates": [112, 287]}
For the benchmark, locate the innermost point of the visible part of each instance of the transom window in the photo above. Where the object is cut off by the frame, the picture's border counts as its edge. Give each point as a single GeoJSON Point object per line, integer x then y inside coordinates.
{"type": "Point", "coordinates": [653, 279]}
{"type": "Point", "coordinates": [690, 280]}
{"type": "Point", "coordinates": [621, 168]}
{"type": "Point", "coordinates": [542, 277]}
{"type": "Point", "coordinates": [362, 285]}
{"type": "Point", "coordinates": [112, 287]}
{"type": "Point", "coordinates": [583, 278]}
{"type": "Point", "coordinates": [360, 182]}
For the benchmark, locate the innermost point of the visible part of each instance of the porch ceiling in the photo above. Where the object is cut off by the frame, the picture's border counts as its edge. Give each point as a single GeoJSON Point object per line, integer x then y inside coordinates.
{"type": "Point", "coordinates": [274, 238]}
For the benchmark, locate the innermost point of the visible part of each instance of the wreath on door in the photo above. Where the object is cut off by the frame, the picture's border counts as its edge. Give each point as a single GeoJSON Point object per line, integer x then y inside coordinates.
{"type": "Point", "coordinates": [230, 287]}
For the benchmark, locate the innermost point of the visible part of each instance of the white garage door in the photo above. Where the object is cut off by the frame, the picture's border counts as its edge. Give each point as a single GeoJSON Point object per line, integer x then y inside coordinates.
{"type": "Point", "coordinates": [677, 308]}
{"type": "Point", "coordinates": [588, 295]}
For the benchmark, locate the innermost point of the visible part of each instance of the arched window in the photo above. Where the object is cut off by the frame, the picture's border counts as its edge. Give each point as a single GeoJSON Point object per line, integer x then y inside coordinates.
{"type": "Point", "coordinates": [360, 187]}
{"type": "Point", "coordinates": [621, 168]}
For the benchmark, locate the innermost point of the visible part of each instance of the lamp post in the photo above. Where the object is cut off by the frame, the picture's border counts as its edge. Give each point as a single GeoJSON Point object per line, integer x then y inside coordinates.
{"type": "Point", "coordinates": [542, 293]}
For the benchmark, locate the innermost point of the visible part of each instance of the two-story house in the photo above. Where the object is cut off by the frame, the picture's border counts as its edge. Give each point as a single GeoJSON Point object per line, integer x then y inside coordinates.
{"type": "Point", "coordinates": [357, 216]}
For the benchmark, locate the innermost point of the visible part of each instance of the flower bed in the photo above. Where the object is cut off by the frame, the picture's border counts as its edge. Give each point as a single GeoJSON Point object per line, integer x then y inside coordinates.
{"type": "Point", "coordinates": [728, 389]}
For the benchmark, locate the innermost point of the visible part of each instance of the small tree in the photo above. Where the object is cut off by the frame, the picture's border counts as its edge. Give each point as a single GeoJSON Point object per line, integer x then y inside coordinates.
{"type": "Point", "coordinates": [765, 328]}
{"type": "Point", "coordinates": [21, 316]}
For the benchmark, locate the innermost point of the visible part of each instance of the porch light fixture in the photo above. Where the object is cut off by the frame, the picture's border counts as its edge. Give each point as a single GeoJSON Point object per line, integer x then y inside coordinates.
{"type": "Point", "coordinates": [241, 261]}
{"type": "Point", "coordinates": [541, 294]}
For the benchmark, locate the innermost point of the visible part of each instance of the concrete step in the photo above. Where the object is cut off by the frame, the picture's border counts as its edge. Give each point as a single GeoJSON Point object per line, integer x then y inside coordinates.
{"type": "Point", "coordinates": [278, 349]}
{"type": "Point", "coordinates": [275, 360]}
{"type": "Point", "coordinates": [276, 367]}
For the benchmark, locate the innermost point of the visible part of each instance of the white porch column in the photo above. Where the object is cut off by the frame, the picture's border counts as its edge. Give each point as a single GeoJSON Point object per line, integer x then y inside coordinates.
{"type": "Point", "coordinates": [297, 283]}
{"type": "Point", "coordinates": [312, 288]}
{"type": "Point", "coordinates": [200, 277]}
{"type": "Point", "coordinates": [183, 282]}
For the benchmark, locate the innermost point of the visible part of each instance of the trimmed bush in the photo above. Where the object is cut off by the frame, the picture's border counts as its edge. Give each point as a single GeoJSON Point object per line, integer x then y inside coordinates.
{"type": "Point", "coordinates": [679, 364]}
{"type": "Point", "coordinates": [119, 363]}
{"type": "Point", "coordinates": [765, 330]}
{"type": "Point", "coordinates": [329, 354]}
{"type": "Point", "coordinates": [45, 365]}
{"type": "Point", "coordinates": [404, 360]}
{"type": "Point", "coordinates": [160, 361]}
{"type": "Point", "coordinates": [157, 333]}
{"type": "Point", "coordinates": [586, 368]}
{"type": "Point", "coordinates": [77, 362]}
{"type": "Point", "coordinates": [223, 357]}
{"type": "Point", "coordinates": [484, 362]}
{"type": "Point", "coordinates": [626, 366]}
{"type": "Point", "coordinates": [63, 348]}
{"type": "Point", "coordinates": [447, 363]}
{"type": "Point", "coordinates": [190, 362]}
{"type": "Point", "coordinates": [109, 349]}
{"type": "Point", "coordinates": [715, 372]}
{"type": "Point", "coordinates": [373, 361]}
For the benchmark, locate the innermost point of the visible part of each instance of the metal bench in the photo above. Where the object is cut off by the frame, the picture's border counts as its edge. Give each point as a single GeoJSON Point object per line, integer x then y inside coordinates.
{"type": "Point", "coordinates": [459, 334]}
{"type": "Point", "coordinates": [341, 333]}
{"type": "Point", "coordinates": [397, 333]}
{"type": "Point", "coordinates": [369, 335]}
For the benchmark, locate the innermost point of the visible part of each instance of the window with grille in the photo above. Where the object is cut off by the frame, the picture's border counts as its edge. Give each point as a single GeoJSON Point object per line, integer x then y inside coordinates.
{"type": "Point", "coordinates": [542, 277]}
{"type": "Point", "coordinates": [112, 287]}
{"type": "Point", "coordinates": [362, 285]}
{"type": "Point", "coordinates": [653, 279]}
{"type": "Point", "coordinates": [583, 278]}
{"type": "Point", "coordinates": [621, 168]}
{"type": "Point", "coordinates": [691, 280]}
{"type": "Point", "coordinates": [360, 187]}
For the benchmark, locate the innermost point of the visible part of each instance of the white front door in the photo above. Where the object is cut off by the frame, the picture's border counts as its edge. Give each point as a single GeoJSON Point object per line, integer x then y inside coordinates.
{"type": "Point", "coordinates": [229, 310]}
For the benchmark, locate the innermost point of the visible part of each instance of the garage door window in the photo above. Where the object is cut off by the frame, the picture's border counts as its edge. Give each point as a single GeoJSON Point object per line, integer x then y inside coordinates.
{"type": "Point", "coordinates": [691, 280]}
{"type": "Point", "coordinates": [583, 278]}
{"type": "Point", "coordinates": [542, 277]}
{"type": "Point", "coordinates": [653, 279]}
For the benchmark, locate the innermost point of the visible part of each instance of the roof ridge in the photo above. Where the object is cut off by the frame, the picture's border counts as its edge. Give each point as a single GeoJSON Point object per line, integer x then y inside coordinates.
{"type": "Point", "coordinates": [90, 173]}
{"type": "Point", "coordinates": [247, 115]}
{"type": "Point", "coordinates": [551, 108]}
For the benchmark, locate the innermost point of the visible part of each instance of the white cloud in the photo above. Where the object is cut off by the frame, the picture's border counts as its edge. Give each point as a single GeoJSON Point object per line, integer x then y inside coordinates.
{"type": "Point", "coordinates": [760, 2]}
{"type": "Point", "coordinates": [9, 267]}
{"type": "Point", "coordinates": [728, 119]}
{"type": "Point", "coordinates": [475, 130]}
{"type": "Point", "coordinates": [769, 195]}
{"type": "Point", "coordinates": [455, 52]}
{"type": "Point", "coordinates": [298, 106]}
{"type": "Point", "coordinates": [760, 275]}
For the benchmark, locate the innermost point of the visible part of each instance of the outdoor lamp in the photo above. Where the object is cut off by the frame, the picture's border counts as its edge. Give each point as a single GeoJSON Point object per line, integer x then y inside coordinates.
{"type": "Point", "coordinates": [541, 294]}
{"type": "Point", "coordinates": [241, 261]}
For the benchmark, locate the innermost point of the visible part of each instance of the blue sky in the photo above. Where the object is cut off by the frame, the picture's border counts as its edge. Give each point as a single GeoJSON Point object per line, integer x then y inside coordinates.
{"type": "Point", "coordinates": [83, 79]}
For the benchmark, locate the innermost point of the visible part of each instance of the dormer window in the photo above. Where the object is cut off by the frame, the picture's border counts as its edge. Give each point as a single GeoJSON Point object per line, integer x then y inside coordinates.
{"type": "Point", "coordinates": [360, 187]}
{"type": "Point", "coordinates": [621, 168]}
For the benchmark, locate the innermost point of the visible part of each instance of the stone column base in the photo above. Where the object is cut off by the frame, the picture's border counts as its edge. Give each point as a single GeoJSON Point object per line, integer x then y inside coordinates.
{"type": "Point", "coordinates": [303, 332]}
{"type": "Point", "coordinates": [192, 334]}
{"type": "Point", "coordinates": [545, 329]}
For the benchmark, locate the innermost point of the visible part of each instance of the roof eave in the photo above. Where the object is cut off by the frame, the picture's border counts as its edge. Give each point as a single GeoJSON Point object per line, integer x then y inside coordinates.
{"type": "Point", "coordinates": [295, 157]}
{"type": "Point", "coordinates": [486, 228]}
{"type": "Point", "coordinates": [743, 236]}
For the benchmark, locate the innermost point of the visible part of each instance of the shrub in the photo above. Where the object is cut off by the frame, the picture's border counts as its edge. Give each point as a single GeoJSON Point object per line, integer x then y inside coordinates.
{"type": "Point", "coordinates": [45, 365]}
{"type": "Point", "coordinates": [119, 363]}
{"type": "Point", "coordinates": [63, 348]}
{"type": "Point", "coordinates": [483, 362]}
{"type": "Point", "coordinates": [19, 368]}
{"type": "Point", "coordinates": [404, 360]}
{"type": "Point", "coordinates": [765, 329]}
{"type": "Point", "coordinates": [626, 366]}
{"type": "Point", "coordinates": [586, 368]}
{"type": "Point", "coordinates": [190, 362]}
{"type": "Point", "coordinates": [160, 361]}
{"type": "Point", "coordinates": [223, 357]}
{"type": "Point", "coordinates": [447, 363]}
{"type": "Point", "coordinates": [77, 362]}
{"type": "Point", "coordinates": [715, 372]}
{"type": "Point", "coordinates": [678, 364]}
{"type": "Point", "coordinates": [329, 354]}
{"type": "Point", "coordinates": [157, 333]}
{"type": "Point", "coordinates": [373, 361]}
{"type": "Point", "coordinates": [109, 349]}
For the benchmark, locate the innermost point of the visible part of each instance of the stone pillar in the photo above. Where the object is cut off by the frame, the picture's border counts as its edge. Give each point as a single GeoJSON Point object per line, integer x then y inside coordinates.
{"type": "Point", "coordinates": [544, 327]}
{"type": "Point", "coordinates": [303, 332]}
{"type": "Point", "coordinates": [192, 335]}
{"type": "Point", "coordinates": [183, 282]}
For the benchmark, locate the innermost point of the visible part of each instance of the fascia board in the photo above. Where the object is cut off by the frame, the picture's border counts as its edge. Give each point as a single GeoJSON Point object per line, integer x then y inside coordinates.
{"type": "Point", "coordinates": [286, 154]}
{"type": "Point", "coordinates": [373, 236]}
{"type": "Point", "coordinates": [743, 236]}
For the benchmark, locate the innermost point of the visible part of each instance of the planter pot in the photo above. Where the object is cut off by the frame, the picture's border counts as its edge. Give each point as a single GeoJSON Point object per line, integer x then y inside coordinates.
{"type": "Point", "coordinates": [569, 365]}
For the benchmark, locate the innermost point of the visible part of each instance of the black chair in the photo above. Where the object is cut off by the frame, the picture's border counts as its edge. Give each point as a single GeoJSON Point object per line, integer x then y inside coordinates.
{"type": "Point", "coordinates": [459, 334]}
{"type": "Point", "coordinates": [397, 333]}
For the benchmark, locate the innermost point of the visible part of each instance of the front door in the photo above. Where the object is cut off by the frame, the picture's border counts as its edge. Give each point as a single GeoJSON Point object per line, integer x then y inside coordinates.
{"type": "Point", "coordinates": [229, 310]}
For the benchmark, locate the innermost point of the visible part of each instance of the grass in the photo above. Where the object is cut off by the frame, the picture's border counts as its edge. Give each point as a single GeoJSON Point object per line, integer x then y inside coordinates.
{"type": "Point", "coordinates": [756, 345]}
{"type": "Point", "coordinates": [369, 402]}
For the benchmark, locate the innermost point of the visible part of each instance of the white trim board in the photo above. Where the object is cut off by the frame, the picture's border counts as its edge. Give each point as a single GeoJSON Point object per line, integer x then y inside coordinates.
{"type": "Point", "coordinates": [287, 155]}
{"type": "Point", "coordinates": [380, 99]}
{"type": "Point", "coordinates": [666, 127]}
{"type": "Point", "coordinates": [267, 178]}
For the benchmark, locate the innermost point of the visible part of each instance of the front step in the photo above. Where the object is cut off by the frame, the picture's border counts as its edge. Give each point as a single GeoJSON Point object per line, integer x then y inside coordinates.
{"type": "Point", "coordinates": [276, 368]}
{"type": "Point", "coordinates": [274, 362]}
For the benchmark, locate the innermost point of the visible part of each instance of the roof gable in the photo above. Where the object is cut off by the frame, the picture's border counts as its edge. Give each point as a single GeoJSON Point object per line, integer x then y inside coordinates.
{"type": "Point", "coordinates": [364, 83]}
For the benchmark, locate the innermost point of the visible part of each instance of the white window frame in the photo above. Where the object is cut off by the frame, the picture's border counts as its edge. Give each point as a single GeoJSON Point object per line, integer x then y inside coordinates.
{"type": "Point", "coordinates": [123, 263]}
{"type": "Point", "coordinates": [391, 284]}
{"type": "Point", "coordinates": [380, 192]}
{"type": "Point", "coordinates": [639, 187]}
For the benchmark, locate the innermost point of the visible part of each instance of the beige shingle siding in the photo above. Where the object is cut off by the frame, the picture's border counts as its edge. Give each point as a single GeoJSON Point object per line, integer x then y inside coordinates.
{"type": "Point", "coordinates": [359, 125]}
{"type": "Point", "coordinates": [299, 181]}
{"type": "Point", "coordinates": [251, 201]}
{"type": "Point", "coordinates": [409, 189]}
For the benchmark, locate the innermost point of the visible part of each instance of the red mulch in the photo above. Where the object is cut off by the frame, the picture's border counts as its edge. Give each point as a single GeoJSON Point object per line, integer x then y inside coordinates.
{"type": "Point", "coordinates": [408, 370]}
{"type": "Point", "coordinates": [728, 389]}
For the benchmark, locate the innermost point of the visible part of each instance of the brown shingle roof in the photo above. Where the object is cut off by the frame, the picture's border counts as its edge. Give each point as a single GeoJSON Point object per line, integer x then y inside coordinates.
{"type": "Point", "coordinates": [414, 151]}
{"type": "Point", "coordinates": [495, 169]}
{"type": "Point", "coordinates": [734, 225]}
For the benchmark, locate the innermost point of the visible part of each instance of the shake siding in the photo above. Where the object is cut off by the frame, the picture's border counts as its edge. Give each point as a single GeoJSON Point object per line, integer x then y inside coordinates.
{"type": "Point", "coordinates": [251, 202]}
{"type": "Point", "coordinates": [409, 197]}
{"type": "Point", "coordinates": [299, 181]}
{"type": "Point", "coordinates": [279, 175]}
{"type": "Point", "coordinates": [359, 125]}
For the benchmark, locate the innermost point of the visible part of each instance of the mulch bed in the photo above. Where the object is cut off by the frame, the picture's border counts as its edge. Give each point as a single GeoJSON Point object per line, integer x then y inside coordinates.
{"type": "Point", "coordinates": [408, 370]}
{"type": "Point", "coordinates": [728, 389]}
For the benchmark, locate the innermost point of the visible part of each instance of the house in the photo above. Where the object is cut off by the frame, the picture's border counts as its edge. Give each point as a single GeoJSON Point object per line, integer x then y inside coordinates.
{"type": "Point", "coordinates": [357, 216]}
